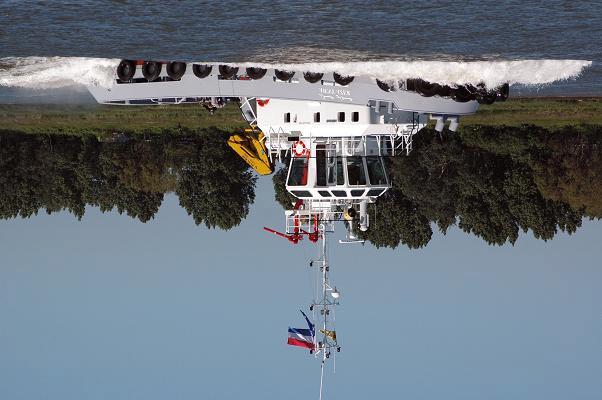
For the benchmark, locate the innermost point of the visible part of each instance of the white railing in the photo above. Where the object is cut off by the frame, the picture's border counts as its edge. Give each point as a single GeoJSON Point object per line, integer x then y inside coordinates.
{"type": "Point", "coordinates": [388, 142]}
{"type": "Point", "coordinates": [304, 219]}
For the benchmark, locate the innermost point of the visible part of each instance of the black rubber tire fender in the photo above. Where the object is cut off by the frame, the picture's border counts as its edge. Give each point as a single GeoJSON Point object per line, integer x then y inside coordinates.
{"type": "Point", "coordinates": [444, 91]}
{"type": "Point", "coordinates": [227, 72]}
{"type": "Point", "coordinates": [411, 84]}
{"type": "Point", "coordinates": [427, 89]}
{"type": "Point", "coordinates": [126, 70]}
{"type": "Point", "coordinates": [175, 70]}
{"type": "Point", "coordinates": [151, 70]}
{"type": "Point", "coordinates": [312, 77]}
{"type": "Point", "coordinates": [256, 73]}
{"type": "Point", "coordinates": [201, 70]}
{"type": "Point", "coordinates": [342, 80]}
{"type": "Point", "coordinates": [462, 94]}
{"type": "Point", "coordinates": [284, 75]}
{"type": "Point", "coordinates": [386, 86]}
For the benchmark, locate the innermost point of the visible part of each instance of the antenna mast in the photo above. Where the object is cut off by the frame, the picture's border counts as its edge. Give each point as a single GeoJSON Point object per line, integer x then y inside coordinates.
{"type": "Point", "coordinates": [324, 304]}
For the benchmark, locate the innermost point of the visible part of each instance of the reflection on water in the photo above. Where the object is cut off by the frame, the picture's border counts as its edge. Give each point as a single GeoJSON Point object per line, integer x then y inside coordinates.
{"type": "Point", "coordinates": [492, 182]}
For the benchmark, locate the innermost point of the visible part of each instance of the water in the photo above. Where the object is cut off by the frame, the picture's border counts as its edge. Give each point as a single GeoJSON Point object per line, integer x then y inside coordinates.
{"type": "Point", "coordinates": [495, 34]}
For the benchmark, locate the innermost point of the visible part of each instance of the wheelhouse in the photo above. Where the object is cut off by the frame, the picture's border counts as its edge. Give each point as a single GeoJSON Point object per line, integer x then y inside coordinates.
{"type": "Point", "coordinates": [329, 173]}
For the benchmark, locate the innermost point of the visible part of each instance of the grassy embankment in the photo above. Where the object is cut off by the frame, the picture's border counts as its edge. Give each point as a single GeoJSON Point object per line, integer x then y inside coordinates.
{"type": "Point", "coordinates": [545, 112]}
{"type": "Point", "coordinates": [99, 120]}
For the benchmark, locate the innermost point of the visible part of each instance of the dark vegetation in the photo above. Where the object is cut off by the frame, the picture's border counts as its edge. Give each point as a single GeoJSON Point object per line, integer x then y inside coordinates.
{"type": "Point", "coordinates": [490, 181]}
{"type": "Point", "coordinates": [59, 172]}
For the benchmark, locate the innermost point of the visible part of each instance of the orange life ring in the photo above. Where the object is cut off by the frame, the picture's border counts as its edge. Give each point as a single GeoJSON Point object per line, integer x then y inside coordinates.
{"type": "Point", "coordinates": [299, 148]}
{"type": "Point", "coordinates": [262, 103]}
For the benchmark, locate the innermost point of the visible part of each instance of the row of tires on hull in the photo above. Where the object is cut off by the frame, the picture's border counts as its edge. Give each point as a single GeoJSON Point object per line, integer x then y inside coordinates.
{"type": "Point", "coordinates": [151, 70]}
{"type": "Point", "coordinates": [255, 73]}
{"type": "Point", "coordinates": [459, 93]}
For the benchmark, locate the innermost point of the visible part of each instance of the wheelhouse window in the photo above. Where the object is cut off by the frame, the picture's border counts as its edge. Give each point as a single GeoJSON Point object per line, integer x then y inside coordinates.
{"type": "Point", "coordinates": [355, 171]}
{"type": "Point", "coordinates": [301, 193]}
{"type": "Point", "coordinates": [334, 168]}
{"type": "Point", "coordinates": [376, 171]}
{"type": "Point", "coordinates": [298, 172]}
{"type": "Point", "coordinates": [340, 172]}
{"type": "Point", "coordinates": [321, 165]}
{"type": "Point", "coordinates": [375, 192]}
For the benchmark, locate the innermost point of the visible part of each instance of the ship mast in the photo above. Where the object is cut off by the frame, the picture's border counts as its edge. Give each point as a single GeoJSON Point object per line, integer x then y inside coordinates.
{"type": "Point", "coordinates": [326, 300]}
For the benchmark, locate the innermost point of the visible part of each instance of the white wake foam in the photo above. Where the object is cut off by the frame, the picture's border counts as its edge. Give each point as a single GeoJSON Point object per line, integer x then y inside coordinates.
{"type": "Point", "coordinates": [492, 73]}
{"type": "Point", "coordinates": [54, 72]}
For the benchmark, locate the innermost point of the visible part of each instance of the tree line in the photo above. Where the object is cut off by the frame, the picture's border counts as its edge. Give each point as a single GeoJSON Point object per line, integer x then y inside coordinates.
{"type": "Point", "coordinates": [493, 182]}
{"type": "Point", "coordinates": [51, 173]}
{"type": "Point", "coordinates": [490, 181]}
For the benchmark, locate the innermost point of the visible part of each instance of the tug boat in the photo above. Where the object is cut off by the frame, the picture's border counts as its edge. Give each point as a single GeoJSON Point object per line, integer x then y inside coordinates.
{"type": "Point", "coordinates": [334, 129]}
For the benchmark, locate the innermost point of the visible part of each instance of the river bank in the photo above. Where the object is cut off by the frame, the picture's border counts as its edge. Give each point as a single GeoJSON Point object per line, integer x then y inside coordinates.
{"type": "Point", "coordinates": [548, 112]}
{"type": "Point", "coordinates": [552, 112]}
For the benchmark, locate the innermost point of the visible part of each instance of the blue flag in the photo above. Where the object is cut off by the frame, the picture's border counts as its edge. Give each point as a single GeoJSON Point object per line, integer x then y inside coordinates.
{"type": "Point", "coordinates": [309, 324]}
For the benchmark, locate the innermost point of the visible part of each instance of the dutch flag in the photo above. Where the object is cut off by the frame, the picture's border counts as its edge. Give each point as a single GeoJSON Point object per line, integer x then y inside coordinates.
{"type": "Point", "coordinates": [302, 337]}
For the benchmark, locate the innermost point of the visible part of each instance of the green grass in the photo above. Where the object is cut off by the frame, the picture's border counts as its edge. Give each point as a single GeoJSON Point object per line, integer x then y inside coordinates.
{"type": "Point", "coordinates": [545, 112]}
{"type": "Point", "coordinates": [99, 119]}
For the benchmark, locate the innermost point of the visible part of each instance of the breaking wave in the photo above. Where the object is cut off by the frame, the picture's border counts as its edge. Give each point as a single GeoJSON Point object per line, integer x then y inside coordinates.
{"type": "Point", "coordinates": [56, 72]}
{"type": "Point", "coordinates": [492, 73]}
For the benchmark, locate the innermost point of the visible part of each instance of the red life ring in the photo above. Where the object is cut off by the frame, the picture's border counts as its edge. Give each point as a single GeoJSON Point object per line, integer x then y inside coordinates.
{"type": "Point", "coordinates": [262, 103]}
{"type": "Point", "coordinates": [299, 148]}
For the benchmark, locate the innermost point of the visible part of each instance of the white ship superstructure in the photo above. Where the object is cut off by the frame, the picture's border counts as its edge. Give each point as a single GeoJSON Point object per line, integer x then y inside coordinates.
{"type": "Point", "coordinates": [335, 129]}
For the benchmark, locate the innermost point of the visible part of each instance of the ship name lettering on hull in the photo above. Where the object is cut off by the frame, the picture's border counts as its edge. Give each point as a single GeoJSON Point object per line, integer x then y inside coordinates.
{"type": "Point", "coordinates": [341, 94]}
